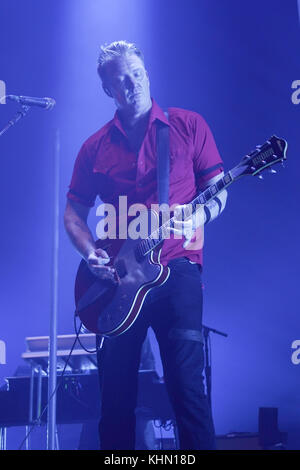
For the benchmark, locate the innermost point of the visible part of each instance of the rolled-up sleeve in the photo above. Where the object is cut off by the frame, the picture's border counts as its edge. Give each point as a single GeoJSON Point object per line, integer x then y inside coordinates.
{"type": "Point", "coordinates": [207, 160]}
{"type": "Point", "coordinates": [83, 188]}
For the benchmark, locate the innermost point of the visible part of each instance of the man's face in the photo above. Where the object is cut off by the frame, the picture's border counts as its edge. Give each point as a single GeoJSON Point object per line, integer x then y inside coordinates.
{"type": "Point", "coordinates": [128, 83]}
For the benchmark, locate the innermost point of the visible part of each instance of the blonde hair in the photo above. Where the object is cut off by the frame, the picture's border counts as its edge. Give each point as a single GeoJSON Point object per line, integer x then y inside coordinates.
{"type": "Point", "coordinates": [109, 52]}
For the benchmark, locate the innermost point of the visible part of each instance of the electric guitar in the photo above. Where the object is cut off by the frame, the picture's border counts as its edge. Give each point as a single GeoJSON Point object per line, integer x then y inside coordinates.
{"type": "Point", "coordinates": [108, 308]}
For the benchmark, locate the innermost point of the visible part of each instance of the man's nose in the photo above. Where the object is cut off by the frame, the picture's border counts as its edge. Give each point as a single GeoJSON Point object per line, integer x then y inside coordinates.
{"type": "Point", "coordinates": [130, 82]}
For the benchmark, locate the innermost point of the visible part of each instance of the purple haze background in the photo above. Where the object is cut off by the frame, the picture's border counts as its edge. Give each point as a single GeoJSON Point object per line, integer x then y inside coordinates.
{"type": "Point", "coordinates": [234, 63]}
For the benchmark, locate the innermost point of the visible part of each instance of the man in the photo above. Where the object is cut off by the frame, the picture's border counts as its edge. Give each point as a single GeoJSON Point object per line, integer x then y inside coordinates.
{"type": "Point", "coordinates": [120, 159]}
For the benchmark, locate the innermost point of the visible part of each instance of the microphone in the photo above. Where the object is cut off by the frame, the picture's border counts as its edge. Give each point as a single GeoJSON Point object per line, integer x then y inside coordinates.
{"type": "Point", "coordinates": [47, 103]}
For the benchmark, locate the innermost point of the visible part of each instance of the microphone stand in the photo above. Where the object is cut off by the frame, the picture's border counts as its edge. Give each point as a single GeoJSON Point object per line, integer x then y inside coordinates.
{"type": "Point", "coordinates": [207, 360]}
{"type": "Point", "coordinates": [52, 440]}
{"type": "Point", "coordinates": [22, 113]}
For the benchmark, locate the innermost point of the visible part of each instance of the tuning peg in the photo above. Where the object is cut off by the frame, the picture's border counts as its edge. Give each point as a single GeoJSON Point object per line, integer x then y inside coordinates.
{"type": "Point", "coordinates": [271, 170]}
{"type": "Point", "coordinates": [261, 177]}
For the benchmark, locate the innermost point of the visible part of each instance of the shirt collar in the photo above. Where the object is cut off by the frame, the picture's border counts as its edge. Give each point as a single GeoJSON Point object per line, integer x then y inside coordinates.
{"type": "Point", "coordinates": [155, 113]}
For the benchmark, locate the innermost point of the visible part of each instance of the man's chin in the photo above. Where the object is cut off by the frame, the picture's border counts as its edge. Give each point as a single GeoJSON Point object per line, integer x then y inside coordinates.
{"type": "Point", "coordinates": [136, 103]}
{"type": "Point", "coordinates": [138, 98]}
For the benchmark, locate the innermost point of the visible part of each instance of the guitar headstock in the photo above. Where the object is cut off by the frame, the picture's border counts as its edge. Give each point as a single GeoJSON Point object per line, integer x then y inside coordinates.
{"type": "Point", "coordinates": [271, 152]}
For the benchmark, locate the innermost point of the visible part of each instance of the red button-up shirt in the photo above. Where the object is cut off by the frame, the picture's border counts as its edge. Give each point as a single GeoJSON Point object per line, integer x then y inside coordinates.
{"type": "Point", "coordinates": [108, 168]}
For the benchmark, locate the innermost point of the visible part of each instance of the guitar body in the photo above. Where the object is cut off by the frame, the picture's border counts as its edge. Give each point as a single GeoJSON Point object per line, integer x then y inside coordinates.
{"type": "Point", "coordinates": [118, 306]}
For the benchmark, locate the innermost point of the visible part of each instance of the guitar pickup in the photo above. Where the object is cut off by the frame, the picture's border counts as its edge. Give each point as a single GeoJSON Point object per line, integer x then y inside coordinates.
{"type": "Point", "coordinates": [120, 267]}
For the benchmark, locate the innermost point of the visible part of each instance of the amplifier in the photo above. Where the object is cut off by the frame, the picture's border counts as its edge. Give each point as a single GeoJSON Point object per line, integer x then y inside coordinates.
{"type": "Point", "coordinates": [238, 441]}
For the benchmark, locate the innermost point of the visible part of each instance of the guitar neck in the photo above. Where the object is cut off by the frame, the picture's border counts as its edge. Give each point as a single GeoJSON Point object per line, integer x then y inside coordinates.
{"type": "Point", "coordinates": [271, 152]}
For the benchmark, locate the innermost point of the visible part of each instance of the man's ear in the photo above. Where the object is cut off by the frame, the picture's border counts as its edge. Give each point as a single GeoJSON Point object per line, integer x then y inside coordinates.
{"type": "Point", "coordinates": [107, 91]}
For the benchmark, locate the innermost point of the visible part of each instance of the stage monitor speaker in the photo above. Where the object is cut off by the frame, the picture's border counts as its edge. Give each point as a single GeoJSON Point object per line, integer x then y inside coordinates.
{"type": "Point", "coordinates": [238, 441]}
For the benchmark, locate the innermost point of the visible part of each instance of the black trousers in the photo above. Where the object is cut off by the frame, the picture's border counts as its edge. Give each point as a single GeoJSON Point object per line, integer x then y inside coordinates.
{"type": "Point", "coordinates": [174, 311]}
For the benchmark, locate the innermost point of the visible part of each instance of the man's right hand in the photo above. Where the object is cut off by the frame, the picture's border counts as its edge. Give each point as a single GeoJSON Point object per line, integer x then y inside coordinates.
{"type": "Point", "coordinates": [75, 219]}
{"type": "Point", "coordinates": [96, 261]}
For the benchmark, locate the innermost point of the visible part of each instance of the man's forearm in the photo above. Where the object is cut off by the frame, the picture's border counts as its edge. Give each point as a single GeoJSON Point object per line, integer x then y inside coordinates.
{"type": "Point", "coordinates": [211, 210]}
{"type": "Point", "coordinates": [80, 236]}
{"type": "Point", "coordinates": [215, 207]}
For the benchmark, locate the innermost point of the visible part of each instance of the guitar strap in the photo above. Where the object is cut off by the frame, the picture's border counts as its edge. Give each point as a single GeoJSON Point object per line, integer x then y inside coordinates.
{"type": "Point", "coordinates": [163, 162]}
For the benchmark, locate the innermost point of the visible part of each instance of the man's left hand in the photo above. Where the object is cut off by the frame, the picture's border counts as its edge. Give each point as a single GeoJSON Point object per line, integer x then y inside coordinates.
{"type": "Point", "coordinates": [186, 226]}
